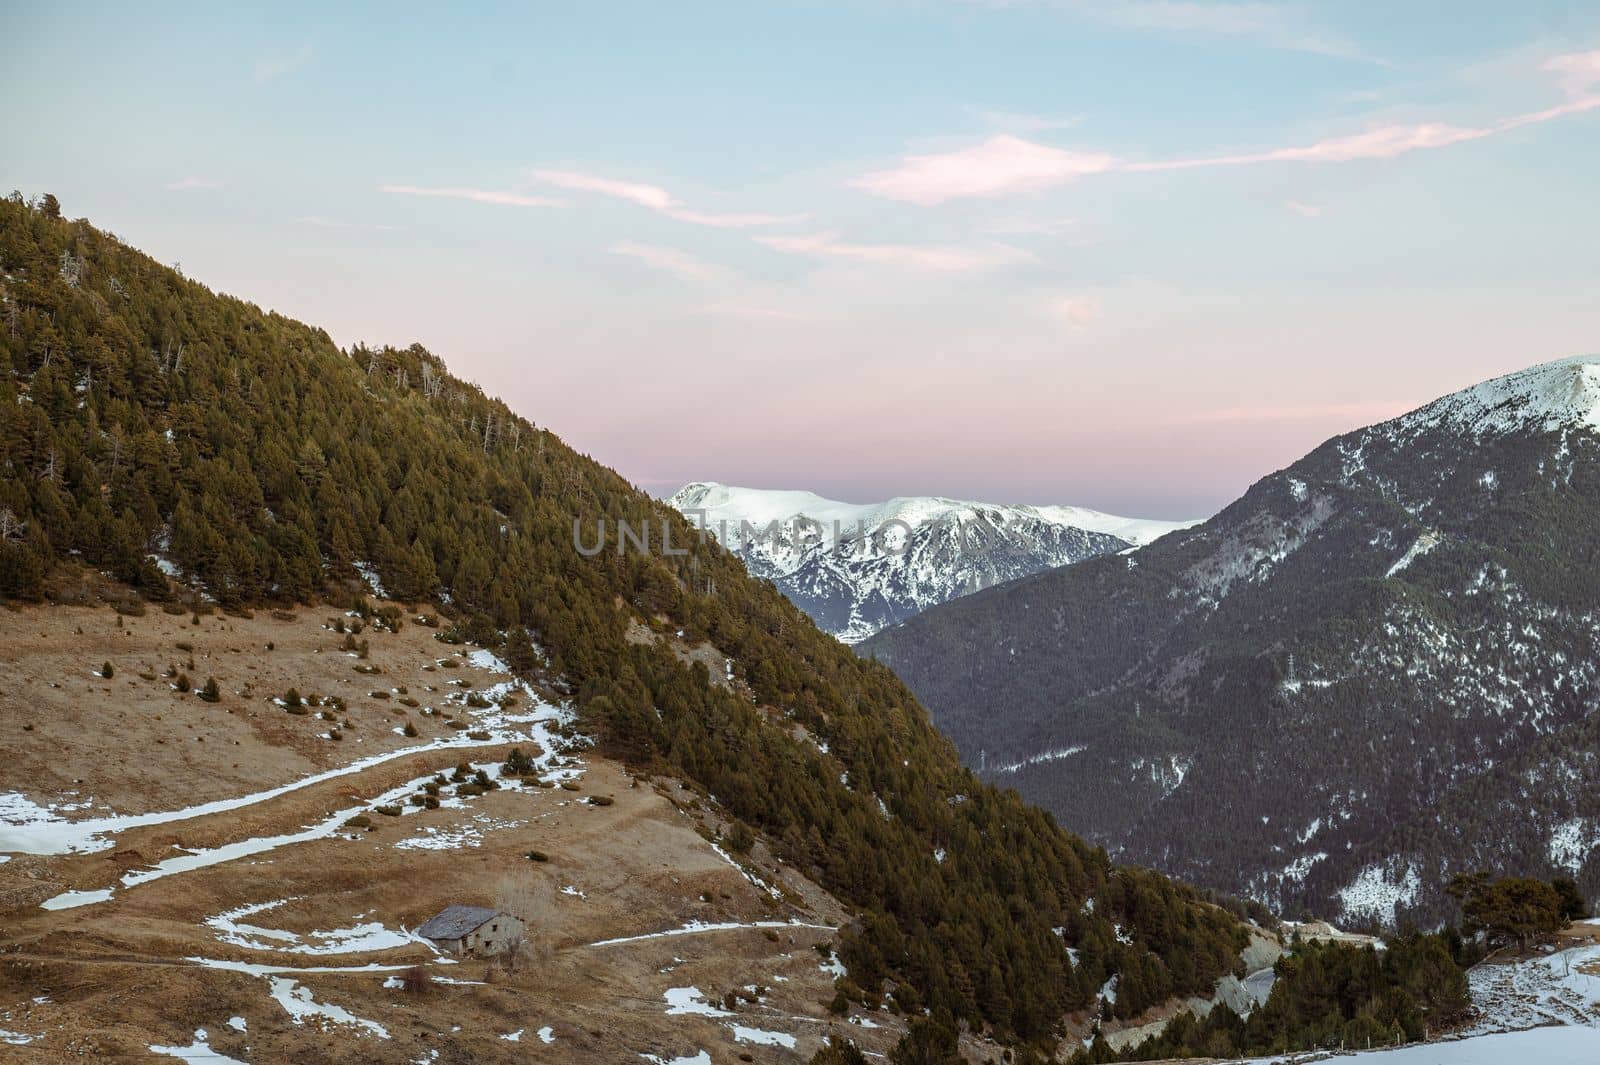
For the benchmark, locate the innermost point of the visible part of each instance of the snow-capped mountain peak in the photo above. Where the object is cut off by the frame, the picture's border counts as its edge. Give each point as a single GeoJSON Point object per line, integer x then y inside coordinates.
{"type": "Point", "coordinates": [856, 567]}
{"type": "Point", "coordinates": [761, 506]}
{"type": "Point", "coordinates": [1551, 396]}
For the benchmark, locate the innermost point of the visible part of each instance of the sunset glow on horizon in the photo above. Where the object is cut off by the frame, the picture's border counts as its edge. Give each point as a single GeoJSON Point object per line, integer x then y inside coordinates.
{"type": "Point", "coordinates": [1123, 256]}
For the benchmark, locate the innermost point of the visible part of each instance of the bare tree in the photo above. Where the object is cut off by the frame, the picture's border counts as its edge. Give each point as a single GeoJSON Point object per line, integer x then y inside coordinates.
{"type": "Point", "coordinates": [416, 981]}
{"type": "Point", "coordinates": [11, 526]}
{"type": "Point", "coordinates": [71, 268]}
{"type": "Point", "coordinates": [511, 950]}
{"type": "Point", "coordinates": [529, 899]}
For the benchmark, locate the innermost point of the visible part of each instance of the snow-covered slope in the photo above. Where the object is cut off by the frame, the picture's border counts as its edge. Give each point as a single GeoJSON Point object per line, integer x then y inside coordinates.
{"type": "Point", "coordinates": [1551, 396]}
{"type": "Point", "coordinates": [858, 567]}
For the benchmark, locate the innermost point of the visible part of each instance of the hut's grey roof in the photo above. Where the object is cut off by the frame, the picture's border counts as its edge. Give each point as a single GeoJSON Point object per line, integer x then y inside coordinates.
{"type": "Point", "coordinates": [454, 922]}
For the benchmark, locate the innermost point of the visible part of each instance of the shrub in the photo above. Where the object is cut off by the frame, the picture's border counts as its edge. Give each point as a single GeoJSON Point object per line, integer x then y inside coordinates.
{"type": "Point", "coordinates": [416, 981]}
{"type": "Point", "coordinates": [107, 672]}
{"type": "Point", "coordinates": [182, 683]}
{"type": "Point", "coordinates": [601, 800]}
{"type": "Point", "coordinates": [741, 837]}
{"type": "Point", "coordinates": [410, 729]}
{"type": "Point", "coordinates": [538, 856]}
{"type": "Point", "coordinates": [291, 698]}
{"type": "Point", "coordinates": [211, 693]}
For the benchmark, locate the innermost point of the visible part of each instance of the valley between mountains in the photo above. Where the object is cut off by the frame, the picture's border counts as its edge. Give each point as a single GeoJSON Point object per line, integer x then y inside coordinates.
{"type": "Point", "coordinates": [298, 650]}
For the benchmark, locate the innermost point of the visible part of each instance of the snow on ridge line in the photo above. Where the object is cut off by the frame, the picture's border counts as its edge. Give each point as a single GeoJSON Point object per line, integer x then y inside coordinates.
{"type": "Point", "coordinates": [1551, 396]}
{"type": "Point", "coordinates": [761, 506]}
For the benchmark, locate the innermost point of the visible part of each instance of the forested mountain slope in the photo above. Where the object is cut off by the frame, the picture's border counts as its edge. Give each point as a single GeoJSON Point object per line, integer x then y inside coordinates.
{"type": "Point", "coordinates": [149, 426]}
{"type": "Point", "coordinates": [1379, 666]}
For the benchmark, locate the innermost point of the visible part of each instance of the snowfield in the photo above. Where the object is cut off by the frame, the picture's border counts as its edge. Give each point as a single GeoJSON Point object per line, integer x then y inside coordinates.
{"type": "Point", "coordinates": [1374, 892]}
{"type": "Point", "coordinates": [1550, 990]}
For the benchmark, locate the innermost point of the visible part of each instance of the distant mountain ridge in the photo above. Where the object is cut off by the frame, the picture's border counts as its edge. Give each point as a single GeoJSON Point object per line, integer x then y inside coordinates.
{"type": "Point", "coordinates": [1381, 665]}
{"type": "Point", "coordinates": [855, 568]}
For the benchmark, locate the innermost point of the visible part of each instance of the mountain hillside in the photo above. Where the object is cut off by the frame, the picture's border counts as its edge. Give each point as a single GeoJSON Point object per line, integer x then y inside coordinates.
{"type": "Point", "coordinates": [855, 568]}
{"type": "Point", "coordinates": [1379, 666]}
{"type": "Point", "coordinates": [167, 446]}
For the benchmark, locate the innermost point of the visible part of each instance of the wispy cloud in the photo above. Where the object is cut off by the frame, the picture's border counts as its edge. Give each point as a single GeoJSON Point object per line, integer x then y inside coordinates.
{"type": "Point", "coordinates": [276, 66]}
{"type": "Point", "coordinates": [191, 184]}
{"type": "Point", "coordinates": [458, 192]}
{"type": "Point", "coordinates": [1286, 26]}
{"type": "Point", "coordinates": [1003, 165]}
{"type": "Point", "coordinates": [1579, 71]}
{"type": "Point", "coordinates": [657, 198]}
{"type": "Point", "coordinates": [940, 258]}
{"type": "Point", "coordinates": [1379, 142]}
{"type": "Point", "coordinates": [652, 196]}
{"type": "Point", "coordinates": [1304, 210]}
{"type": "Point", "coordinates": [667, 260]}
